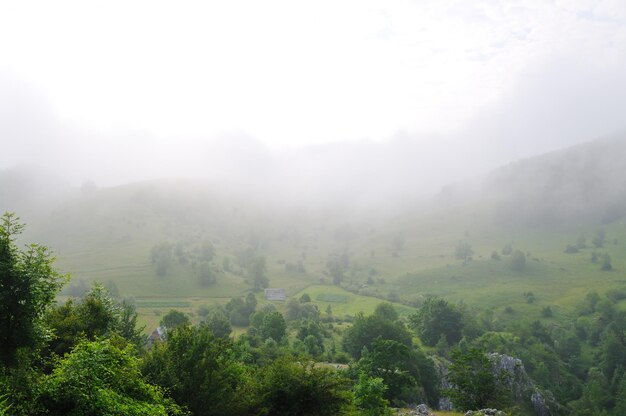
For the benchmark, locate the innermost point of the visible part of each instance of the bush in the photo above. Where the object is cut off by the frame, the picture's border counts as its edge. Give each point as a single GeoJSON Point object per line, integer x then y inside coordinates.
{"type": "Point", "coordinates": [518, 260]}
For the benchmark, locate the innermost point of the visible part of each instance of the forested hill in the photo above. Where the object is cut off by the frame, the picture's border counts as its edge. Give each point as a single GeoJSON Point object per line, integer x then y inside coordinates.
{"type": "Point", "coordinates": [586, 182]}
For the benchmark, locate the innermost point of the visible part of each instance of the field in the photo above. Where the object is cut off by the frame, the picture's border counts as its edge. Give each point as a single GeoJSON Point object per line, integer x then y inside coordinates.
{"type": "Point", "coordinates": [108, 237]}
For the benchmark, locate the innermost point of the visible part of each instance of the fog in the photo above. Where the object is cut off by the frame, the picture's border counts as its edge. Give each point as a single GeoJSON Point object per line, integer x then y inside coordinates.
{"type": "Point", "coordinates": [384, 123]}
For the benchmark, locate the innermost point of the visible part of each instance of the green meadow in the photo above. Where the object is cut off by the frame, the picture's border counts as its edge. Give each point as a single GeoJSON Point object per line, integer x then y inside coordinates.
{"type": "Point", "coordinates": [108, 237]}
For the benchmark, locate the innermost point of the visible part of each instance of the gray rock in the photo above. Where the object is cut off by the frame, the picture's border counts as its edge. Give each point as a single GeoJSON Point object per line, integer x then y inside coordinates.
{"type": "Point", "coordinates": [421, 410]}
{"type": "Point", "coordinates": [485, 412]}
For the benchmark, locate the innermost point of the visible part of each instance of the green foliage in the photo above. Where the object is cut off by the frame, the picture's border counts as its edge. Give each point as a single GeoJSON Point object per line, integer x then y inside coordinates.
{"type": "Point", "coordinates": [365, 330]}
{"type": "Point", "coordinates": [518, 260]}
{"type": "Point", "coordinates": [239, 311]}
{"type": "Point", "coordinates": [218, 323]}
{"type": "Point", "coordinates": [547, 312]}
{"type": "Point", "coordinates": [400, 367]}
{"type": "Point", "coordinates": [206, 274]}
{"type": "Point", "coordinates": [606, 262]}
{"type": "Point", "coordinates": [286, 387]}
{"type": "Point", "coordinates": [311, 333]}
{"type": "Point", "coordinates": [474, 384]}
{"type": "Point", "coordinates": [369, 396]}
{"type": "Point", "coordinates": [295, 310]}
{"type": "Point", "coordinates": [463, 251]}
{"type": "Point", "coordinates": [435, 318]}
{"type": "Point", "coordinates": [4, 404]}
{"type": "Point", "coordinates": [387, 311]}
{"type": "Point", "coordinates": [257, 273]}
{"type": "Point", "coordinates": [97, 378]}
{"type": "Point", "coordinates": [273, 326]}
{"type": "Point", "coordinates": [28, 286]}
{"type": "Point", "coordinates": [161, 256]}
{"type": "Point", "coordinates": [174, 319]}
{"type": "Point", "coordinates": [96, 315]}
{"type": "Point", "coordinates": [200, 371]}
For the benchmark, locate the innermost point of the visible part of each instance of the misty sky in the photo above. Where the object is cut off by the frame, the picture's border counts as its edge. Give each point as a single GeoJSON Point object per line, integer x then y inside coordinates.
{"type": "Point", "coordinates": [130, 90]}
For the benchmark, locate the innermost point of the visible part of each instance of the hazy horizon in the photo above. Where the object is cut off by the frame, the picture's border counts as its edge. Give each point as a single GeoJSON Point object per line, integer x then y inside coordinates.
{"type": "Point", "coordinates": [379, 98]}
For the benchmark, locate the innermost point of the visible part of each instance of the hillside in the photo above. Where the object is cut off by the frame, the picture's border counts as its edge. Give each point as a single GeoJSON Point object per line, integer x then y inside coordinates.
{"type": "Point", "coordinates": [108, 235]}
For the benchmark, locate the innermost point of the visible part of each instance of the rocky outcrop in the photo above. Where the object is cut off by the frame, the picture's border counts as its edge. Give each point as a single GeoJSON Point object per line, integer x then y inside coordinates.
{"type": "Point", "coordinates": [521, 387]}
{"type": "Point", "coordinates": [421, 410]}
{"type": "Point", "coordinates": [442, 371]}
{"type": "Point", "coordinates": [485, 412]}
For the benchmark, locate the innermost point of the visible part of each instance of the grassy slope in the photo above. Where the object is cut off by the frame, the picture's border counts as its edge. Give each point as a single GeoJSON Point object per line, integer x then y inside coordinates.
{"type": "Point", "coordinates": [108, 236]}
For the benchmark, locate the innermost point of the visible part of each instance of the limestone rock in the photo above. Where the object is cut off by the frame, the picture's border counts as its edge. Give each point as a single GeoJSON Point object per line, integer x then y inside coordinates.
{"type": "Point", "coordinates": [485, 412]}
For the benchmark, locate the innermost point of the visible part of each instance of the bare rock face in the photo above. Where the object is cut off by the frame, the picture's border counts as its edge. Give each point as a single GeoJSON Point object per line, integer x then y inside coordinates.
{"type": "Point", "coordinates": [520, 385]}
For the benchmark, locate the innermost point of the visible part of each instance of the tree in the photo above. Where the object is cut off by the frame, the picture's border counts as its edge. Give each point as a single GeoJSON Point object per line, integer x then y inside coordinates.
{"type": "Point", "coordinates": [606, 262]}
{"type": "Point", "coordinates": [369, 396]}
{"type": "Point", "coordinates": [206, 274]}
{"type": "Point", "coordinates": [518, 260]}
{"type": "Point", "coordinates": [28, 286]}
{"type": "Point", "coordinates": [97, 378]}
{"type": "Point", "coordinates": [219, 324]}
{"type": "Point", "coordinates": [464, 251]}
{"type": "Point", "coordinates": [437, 317]}
{"type": "Point", "coordinates": [207, 251]}
{"type": "Point", "coordinates": [365, 330]}
{"type": "Point", "coordinates": [474, 385]}
{"type": "Point", "coordinates": [312, 334]}
{"type": "Point", "coordinates": [95, 315]}
{"type": "Point", "coordinates": [291, 388]}
{"type": "Point", "coordinates": [387, 311]}
{"type": "Point", "coordinates": [200, 371]}
{"type": "Point", "coordinates": [161, 256]}
{"type": "Point", "coordinates": [174, 319]}
{"type": "Point", "coordinates": [273, 326]}
{"type": "Point", "coordinates": [257, 272]}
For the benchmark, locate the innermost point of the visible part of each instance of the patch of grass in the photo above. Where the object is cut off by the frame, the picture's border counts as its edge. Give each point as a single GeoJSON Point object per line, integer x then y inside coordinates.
{"type": "Point", "coordinates": [350, 304]}
{"type": "Point", "coordinates": [163, 304]}
{"type": "Point", "coordinates": [332, 297]}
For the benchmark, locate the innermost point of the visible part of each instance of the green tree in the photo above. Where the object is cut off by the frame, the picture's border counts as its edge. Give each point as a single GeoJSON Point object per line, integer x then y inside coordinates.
{"type": "Point", "coordinates": [474, 384]}
{"type": "Point", "coordinates": [312, 334]}
{"type": "Point", "coordinates": [437, 317]}
{"type": "Point", "coordinates": [606, 262]}
{"type": "Point", "coordinates": [387, 311]}
{"type": "Point", "coordinates": [174, 319]}
{"type": "Point", "coordinates": [409, 375]}
{"type": "Point", "coordinates": [161, 256]}
{"type": "Point", "coordinates": [365, 330]}
{"type": "Point", "coordinates": [518, 260]}
{"type": "Point", "coordinates": [28, 286]}
{"type": "Point", "coordinates": [219, 324]}
{"type": "Point", "coordinates": [200, 371]}
{"type": "Point", "coordinates": [97, 314]}
{"type": "Point", "coordinates": [257, 272]}
{"type": "Point", "coordinates": [286, 387]}
{"type": "Point", "coordinates": [206, 274]}
{"type": "Point", "coordinates": [620, 398]}
{"type": "Point", "coordinates": [97, 378]}
{"type": "Point", "coordinates": [369, 396]}
{"type": "Point", "coordinates": [207, 251]}
{"type": "Point", "coordinates": [273, 326]}
{"type": "Point", "coordinates": [463, 251]}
